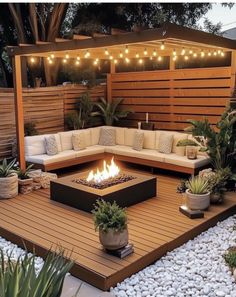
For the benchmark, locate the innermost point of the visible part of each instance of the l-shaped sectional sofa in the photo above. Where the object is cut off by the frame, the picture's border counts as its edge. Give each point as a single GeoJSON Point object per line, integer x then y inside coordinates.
{"type": "Point", "coordinates": [35, 151]}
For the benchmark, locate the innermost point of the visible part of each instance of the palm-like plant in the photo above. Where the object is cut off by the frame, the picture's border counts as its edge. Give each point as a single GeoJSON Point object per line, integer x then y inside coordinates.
{"type": "Point", "coordinates": [85, 108]}
{"type": "Point", "coordinates": [109, 111]}
{"type": "Point", "coordinates": [20, 279]}
{"type": "Point", "coordinates": [7, 169]}
{"type": "Point", "coordinates": [220, 143]}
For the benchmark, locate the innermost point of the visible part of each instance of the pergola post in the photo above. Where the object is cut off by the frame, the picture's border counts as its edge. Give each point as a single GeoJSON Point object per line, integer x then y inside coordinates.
{"type": "Point", "coordinates": [19, 113]}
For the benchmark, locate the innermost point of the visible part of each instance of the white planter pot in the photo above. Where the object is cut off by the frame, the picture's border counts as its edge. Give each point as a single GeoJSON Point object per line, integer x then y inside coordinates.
{"type": "Point", "coordinates": [198, 202]}
{"type": "Point", "coordinates": [113, 240]}
{"type": "Point", "coordinates": [180, 150]}
{"type": "Point", "coordinates": [9, 186]}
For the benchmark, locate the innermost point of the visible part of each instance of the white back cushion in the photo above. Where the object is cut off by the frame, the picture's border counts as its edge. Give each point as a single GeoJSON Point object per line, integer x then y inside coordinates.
{"type": "Point", "coordinates": [35, 145]}
{"type": "Point", "coordinates": [129, 136]}
{"type": "Point", "coordinates": [95, 135]}
{"type": "Point", "coordinates": [87, 135]}
{"type": "Point", "coordinates": [177, 138]}
{"type": "Point", "coordinates": [120, 135]}
{"type": "Point", "coordinates": [66, 140]}
{"type": "Point", "coordinates": [58, 140]}
{"type": "Point", "coordinates": [149, 139]}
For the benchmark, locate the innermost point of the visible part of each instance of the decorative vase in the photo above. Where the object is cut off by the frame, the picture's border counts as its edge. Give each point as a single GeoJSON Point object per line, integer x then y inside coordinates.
{"type": "Point", "coordinates": [25, 185]}
{"type": "Point", "coordinates": [9, 186]}
{"type": "Point", "coordinates": [197, 201]}
{"type": "Point", "coordinates": [217, 198]}
{"type": "Point", "coordinates": [191, 152]}
{"type": "Point", "coordinates": [180, 150]}
{"type": "Point", "coordinates": [114, 240]}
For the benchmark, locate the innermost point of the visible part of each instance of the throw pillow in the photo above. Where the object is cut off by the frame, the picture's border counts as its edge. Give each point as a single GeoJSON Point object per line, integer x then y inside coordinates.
{"type": "Point", "coordinates": [165, 143]}
{"type": "Point", "coordinates": [78, 141]}
{"type": "Point", "coordinates": [51, 145]}
{"type": "Point", "coordinates": [107, 136]}
{"type": "Point", "coordinates": [138, 141]}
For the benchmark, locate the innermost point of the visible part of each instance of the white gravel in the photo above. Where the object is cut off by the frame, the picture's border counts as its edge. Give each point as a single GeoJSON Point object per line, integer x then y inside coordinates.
{"type": "Point", "coordinates": [195, 269]}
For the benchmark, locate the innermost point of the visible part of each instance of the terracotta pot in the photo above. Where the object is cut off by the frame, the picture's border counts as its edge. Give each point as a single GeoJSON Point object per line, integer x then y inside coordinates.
{"type": "Point", "coordinates": [191, 152]}
{"type": "Point", "coordinates": [9, 186]}
{"type": "Point", "coordinates": [180, 150]}
{"type": "Point", "coordinates": [217, 198]}
{"type": "Point", "coordinates": [197, 201]}
{"type": "Point", "coordinates": [113, 240]}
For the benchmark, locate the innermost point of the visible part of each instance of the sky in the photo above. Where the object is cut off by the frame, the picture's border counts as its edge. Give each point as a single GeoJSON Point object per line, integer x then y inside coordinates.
{"type": "Point", "coordinates": [222, 14]}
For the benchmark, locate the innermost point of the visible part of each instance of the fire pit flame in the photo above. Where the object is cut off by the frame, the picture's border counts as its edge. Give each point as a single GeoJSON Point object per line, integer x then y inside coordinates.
{"type": "Point", "coordinates": [109, 171]}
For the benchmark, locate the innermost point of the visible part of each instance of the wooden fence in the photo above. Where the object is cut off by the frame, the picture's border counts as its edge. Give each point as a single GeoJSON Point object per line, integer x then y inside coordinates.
{"type": "Point", "coordinates": [44, 106]}
{"type": "Point", "coordinates": [171, 97]}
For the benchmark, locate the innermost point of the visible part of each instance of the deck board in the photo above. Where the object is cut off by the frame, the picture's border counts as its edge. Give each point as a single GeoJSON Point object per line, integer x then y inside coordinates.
{"type": "Point", "coordinates": [155, 227]}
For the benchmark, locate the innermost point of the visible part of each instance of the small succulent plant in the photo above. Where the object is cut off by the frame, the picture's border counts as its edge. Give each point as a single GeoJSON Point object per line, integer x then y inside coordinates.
{"type": "Point", "coordinates": [185, 142]}
{"type": "Point", "coordinates": [230, 257]}
{"type": "Point", "coordinates": [6, 169]}
{"type": "Point", "coordinates": [197, 185]}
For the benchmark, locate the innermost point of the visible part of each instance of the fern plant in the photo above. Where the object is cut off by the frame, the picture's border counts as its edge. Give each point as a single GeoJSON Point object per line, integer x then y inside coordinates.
{"type": "Point", "coordinates": [197, 185]}
{"type": "Point", "coordinates": [7, 169]}
{"type": "Point", "coordinates": [219, 143]}
{"type": "Point", "coordinates": [109, 216]}
{"type": "Point", "coordinates": [109, 111]}
{"type": "Point", "coordinates": [20, 279]}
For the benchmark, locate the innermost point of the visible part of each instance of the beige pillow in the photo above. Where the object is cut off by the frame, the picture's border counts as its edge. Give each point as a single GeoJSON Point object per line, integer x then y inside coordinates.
{"type": "Point", "coordinates": [138, 141]}
{"type": "Point", "coordinates": [165, 143]}
{"type": "Point", "coordinates": [51, 145]}
{"type": "Point", "coordinates": [78, 141]}
{"type": "Point", "coordinates": [107, 136]}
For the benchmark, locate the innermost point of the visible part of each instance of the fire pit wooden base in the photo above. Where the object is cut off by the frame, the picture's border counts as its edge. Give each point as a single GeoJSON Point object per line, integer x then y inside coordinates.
{"type": "Point", "coordinates": [128, 193]}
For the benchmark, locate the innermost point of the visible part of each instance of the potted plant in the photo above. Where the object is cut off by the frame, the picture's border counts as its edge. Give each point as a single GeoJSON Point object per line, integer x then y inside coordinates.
{"type": "Point", "coordinates": [197, 193]}
{"type": "Point", "coordinates": [111, 222]}
{"type": "Point", "coordinates": [8, 180]}
{"type": "Point", "coordinates": [109, 111]}
{"type": "Point", "coordinates": [25, 182]}
{"type": "Point", "coordinates": [182, 144]}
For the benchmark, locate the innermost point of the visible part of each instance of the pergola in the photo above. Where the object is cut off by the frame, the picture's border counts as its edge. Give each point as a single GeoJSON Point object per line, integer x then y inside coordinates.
{"type": "Point", "coordinates": [169, 40]}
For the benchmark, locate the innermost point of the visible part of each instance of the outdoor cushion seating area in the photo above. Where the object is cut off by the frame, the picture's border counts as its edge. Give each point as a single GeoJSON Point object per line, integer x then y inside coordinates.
{"type": "Point", "coordinates": [35, 150]}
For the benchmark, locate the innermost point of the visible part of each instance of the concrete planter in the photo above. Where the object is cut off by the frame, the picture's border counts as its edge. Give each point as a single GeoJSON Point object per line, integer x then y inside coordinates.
{"type": "Point", "coordinates": [25, 185]}
{"type": "Point", "coordinates": [113, 240]}
{"type": "Point", "coordinates": [197, 201]}
{"type": "Point", "coordinates": [9, 186]}
{"type": "Point", "coordinates": [180, 150]}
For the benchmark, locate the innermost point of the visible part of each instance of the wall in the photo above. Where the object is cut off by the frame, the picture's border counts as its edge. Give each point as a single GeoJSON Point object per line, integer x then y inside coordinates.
{"type": "Point", "coordinates": [44, 106]}
{"type": "Point", "coordinates": [171, 97]}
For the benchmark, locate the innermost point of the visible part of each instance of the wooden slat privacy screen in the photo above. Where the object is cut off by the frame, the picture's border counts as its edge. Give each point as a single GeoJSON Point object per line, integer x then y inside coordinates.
{"type": "Point", "coordinates": [44, 106]}
{"type": "Point", "coordinates": [171, 97]}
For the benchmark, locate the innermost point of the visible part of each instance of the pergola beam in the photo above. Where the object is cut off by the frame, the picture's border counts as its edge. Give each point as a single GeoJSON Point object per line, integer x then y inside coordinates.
{"type": "Point", "coordinates": [19, 112]}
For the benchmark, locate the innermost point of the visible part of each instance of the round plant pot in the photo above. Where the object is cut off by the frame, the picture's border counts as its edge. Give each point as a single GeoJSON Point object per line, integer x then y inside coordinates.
{"type": "Point", "coordinates": [180, 150]}
{"type": "Point", "coordinates": [113, 240]}
{"type": "Point", "coordinates": [197, 201]}
{"type": "Point", "coordinates": [9, 186]}
{"type": "Point", "coordinates": [217, 198]}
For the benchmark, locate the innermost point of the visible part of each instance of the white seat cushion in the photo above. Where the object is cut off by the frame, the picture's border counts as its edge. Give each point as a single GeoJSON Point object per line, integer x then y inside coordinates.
{"type": "Point", "coordinates": [35, 145]}
{"type": "Point", "coordinates": [120, 135]}
{"type": "Point", "coordinates": [66, 140]}
{"type": "Point", "coordinates": [45, 159]}
{"type": "Point", "coordinates": [143, 154]}
{"type": "Point", "coordinates": [91, 150]}
{"type": "Point", "coordinates": [185, 162]}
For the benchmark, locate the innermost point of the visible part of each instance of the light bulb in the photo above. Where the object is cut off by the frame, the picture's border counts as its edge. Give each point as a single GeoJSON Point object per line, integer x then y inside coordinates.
{"type": "Point", "coordinates": [219, 52]}
{"type": "Point", "coordinates": [154, 53]}
{"type": "Point", "coordinates": [159, 58]}
{"type": "Point", "coordinates": [95, 63]}
{"type": "Point", "coordinates": [145, 52]}
{"type": "Point", "coordinates": [151, 58]}
{"type": "Point", "coordinates": [77, 62]}
{"type": "Point", "coordinates": [126, 49]}
{"type": "Point", "coordinates": [195, 55]}
{"type": "Point", "coordinates": [48, 58]}
{"type": "Point", "coordinates": [215, 53]}
{"type": "Point", "coordinates": [186, 58]}
{"type": "Point", "coordinates": [78, 58]}
{"type": "Point", "coordinates": [174, 52]}
{"type": "Point", "coordinates": [67, 56]}
{"type": "Point", "coordinates": [190, 52]}
{"type": "Point", "coordinates": [121, 55]}
{"type": "Point", "coordinates": [32, 60]}
{"type": "Point", "coordinates": [202, 54]}
{"type": "Point", "coordinates": [209, 54]}
{"type": "Point", "coordinates": [175, 58]}
{"type": "Point", "coordinates": [222, 54]}
{"type": "Point", "coordinates": [127, 60]}
{"type": "Point", "coordinates": [52, 56]}
{"type": "Point", "coordinates": [136, 55]}
{"type": "Point", "coordinates": [111, 57]}
{"type": "Point", "coordinates": [64, 61]}
{"type": "Point", "coordinates": [87, 54]}
{"type": "Point", "coordinates": [162, 46]}
{"type": "Point", "coordinates": [115, 61]}
{"type": "Point", "coordinates": [106, 52]}
{"type": "Point", "coordinates": [140, 61]}
{"type": "Point", "coordinates": [183, 51]}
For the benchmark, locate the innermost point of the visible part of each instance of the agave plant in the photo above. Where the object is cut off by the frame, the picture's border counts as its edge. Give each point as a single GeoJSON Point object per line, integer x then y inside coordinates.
{"type": "Point", "coordinates": [197, 185]}
{"type": "Point", "coordinates": [24, 174]}
{"type": "Point", "coordinates": [109, 112]}
{"type": "Point", "coordinates": [20, 279]}
{"type": "Point", "coordinates": [220, 143]}
{"type": "Point", "coordinates": [7, 169]}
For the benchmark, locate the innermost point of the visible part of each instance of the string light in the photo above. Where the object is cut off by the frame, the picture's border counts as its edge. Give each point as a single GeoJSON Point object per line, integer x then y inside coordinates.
{"type": "Point", "coordinates": [219, 52]}
{"type": "Point", "coordinates": [222, 54]}
{"type": "Point", "coordinates": [48, 58]}
{"type": "Point", "coordinates": [209, 54]}
{"type": "Point", "coordinates": [174, 52]}
{"type": "Point", "coordinates": [50, 62]}
{"type": "Point", "coordinates": [67, 56]}
{"type": "Point", "coordinates": [195, 55]}
{"type": "Point", "coordinates": [77, 62]}
{"type": "Point", "coordinates": [183, 51]}
{"type": "Point", "coordinates": [215, 53]}
{"type": "Point", "coordinates": [140, 61]}
{"type": "Point", "coordinates": [127, 60]}
{"type": "Point", "coordinates": [154, 53]}
{"type": "Point", "coordinates": [190, 52]}
{"type": "Point", "coordinates": [32, 60]}
{"type": "Point", "coordinates": [64, 61]}
{"type": "Point", "coordinates": [162, 46]}
{"type": "Point", "coordinates": [106, 52]}
{"type": "Point", "coordinates": [115, 61]}
{"type": "Point", "coordinates": [126, 49]}
{"type": "Point", "coordinates": [52, 56]}
{"type": "Point", "coordinates": [151, 58]}
{"type": "Point", "coordinates": [95, 63]}
{"type": "Point", "coordinates": [111, 57]}
{"type": "Point", "coordinates": [121, 55]}
{"type": "Point", "coordinates": [202, 54]}
{"type": "Point", "coordinates": [159, 59]}
{"type": "Point", "coordinates": [87, 54]}
{"type": "Point", "coordinates": [175, 58]}
{"type": "Point", "coordinates": [186, 58]}
{"type": "Point", "coordinates": [145, 52]}
{"type": "Point", "coordinates": [137, 55]}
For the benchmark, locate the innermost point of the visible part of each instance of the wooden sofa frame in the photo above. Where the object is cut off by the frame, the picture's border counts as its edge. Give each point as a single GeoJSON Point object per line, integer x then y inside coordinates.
{"type": "Point", "coordinates": [151, 163]}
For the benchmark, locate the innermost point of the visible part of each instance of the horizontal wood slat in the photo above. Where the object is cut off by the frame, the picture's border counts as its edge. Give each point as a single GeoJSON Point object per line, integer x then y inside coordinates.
{"type": "Point", "coordinates": [171, 97]}
{"type": "Point", "coordinates": [44, 106]}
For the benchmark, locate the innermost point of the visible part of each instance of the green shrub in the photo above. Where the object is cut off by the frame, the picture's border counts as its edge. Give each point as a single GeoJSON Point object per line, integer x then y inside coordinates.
{"type": "Point", "coordinates": [230, 257]}
{"type": "Point", "coordinates": [197, 185]}
{"type": "Point", "coordinates": [109, 216]}
{"type": "Point", "coordinates": [185, 142]}
{"type": "Point", "coordinates": [24, 174]}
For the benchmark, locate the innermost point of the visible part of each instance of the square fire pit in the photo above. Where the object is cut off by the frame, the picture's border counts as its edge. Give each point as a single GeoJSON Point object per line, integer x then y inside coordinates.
{"type": "Point", "coordinates": [70, 191]}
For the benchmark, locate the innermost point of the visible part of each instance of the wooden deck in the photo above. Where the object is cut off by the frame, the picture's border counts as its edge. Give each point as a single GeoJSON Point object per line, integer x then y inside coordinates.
{"type": "Point", "coordinates": [155, 227]}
